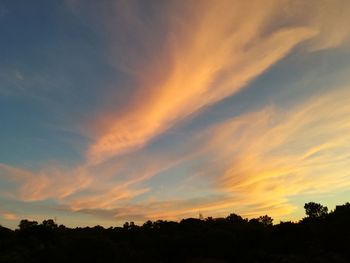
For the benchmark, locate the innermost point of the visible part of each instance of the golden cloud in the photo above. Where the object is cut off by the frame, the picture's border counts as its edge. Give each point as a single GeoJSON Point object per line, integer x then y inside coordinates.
{"type": "Point", "coordinates": [211, 54]}
{"type": "Point", "coordinates": [271, 155]}
{"type": "Point", "coordinates": [262, 158]}
{"type": "Point", "coordinates": [259, 161]}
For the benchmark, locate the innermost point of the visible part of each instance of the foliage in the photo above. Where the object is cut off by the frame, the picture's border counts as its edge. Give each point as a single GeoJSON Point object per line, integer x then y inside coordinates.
{"type": "Point", "coordinates": [265, 220]}
{"type": "Point", "coordinates": [323, 237]}
{"type": "Point", "coordinates": [315, 210]}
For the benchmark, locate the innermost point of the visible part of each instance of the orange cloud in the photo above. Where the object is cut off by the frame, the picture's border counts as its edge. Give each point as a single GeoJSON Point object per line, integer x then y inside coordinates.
{"type": "Point", "coordinates": [49, 182]}
{"type": "Point", "coordinates": [211, 56]}
{"type": "Point", "coordinates": [262, 158]}
{"type": "Point", "coordinates": [259, 161]}
{"type": "Point", "coordinates": [9, 216]}
{"type": "Point", "coordinates": [331, 18]}
{"type": "Point", "coordinates": [269, 156]}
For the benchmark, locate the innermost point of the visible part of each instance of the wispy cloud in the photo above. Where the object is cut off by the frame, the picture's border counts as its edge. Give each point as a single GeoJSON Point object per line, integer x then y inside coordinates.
{"type": "Point", "coordinates": [49, 182]}
{"type": "Point", "coordinates": [252, 163]}
{"type": "Point", "coordinates": [271, 155]}
{"type": "Point", "coordinates": [212, 55]}
{"type": "Point", "coordinates": [258, 162]}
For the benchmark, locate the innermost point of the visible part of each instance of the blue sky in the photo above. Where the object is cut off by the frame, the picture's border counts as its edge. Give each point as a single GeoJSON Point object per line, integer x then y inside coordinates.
{"type": "Point", "coordinates": [126, 110]}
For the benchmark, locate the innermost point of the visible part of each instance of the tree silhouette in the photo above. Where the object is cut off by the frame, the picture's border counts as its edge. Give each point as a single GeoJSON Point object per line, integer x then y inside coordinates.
{"type": "Point", "coordinates": [315, 210]}
{"type": "Point", "coordinates": [265, 220]}
{"type": "Point", "coordinates": [229, 239]}
{"type": "Point", "coordinates": [26, 224]}
{"type": "Point", "coordinates": [234, 218]}
{"type": "Point", "coordinates": [342, 209]}
{"type": "Point", "coordinates": [49, 223]}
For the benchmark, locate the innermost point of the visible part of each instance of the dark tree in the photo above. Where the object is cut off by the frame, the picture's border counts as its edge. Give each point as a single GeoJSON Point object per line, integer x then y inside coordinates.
{"type": "Point", "coordinates": [229, 239]}
{"type": "Point", "coordinates": [126, 225]}
{"type": "Point", "coordinates": [148, 224]}
{"type": "Point", "coordinates": [343, 209]}
{"type": "Point", "coordinates": [49, 223]}
{"type": "Point", "coordinates": [315, 210]}
{"type": "Point", "coordinates": [265, 220]}
{"type": "Point", "coordinates": [26, 224]}
{"type": "Point", "coordinates": [234, 218]}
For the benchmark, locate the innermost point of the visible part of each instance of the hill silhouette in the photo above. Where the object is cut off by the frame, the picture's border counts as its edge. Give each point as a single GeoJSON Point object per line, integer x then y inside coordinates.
{"type": "Point", "coordinates": [319, 237]}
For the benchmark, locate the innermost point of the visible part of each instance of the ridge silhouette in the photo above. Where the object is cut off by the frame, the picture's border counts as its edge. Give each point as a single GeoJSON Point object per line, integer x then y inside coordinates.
{"type": "Point", "coordinates": [321, 236]}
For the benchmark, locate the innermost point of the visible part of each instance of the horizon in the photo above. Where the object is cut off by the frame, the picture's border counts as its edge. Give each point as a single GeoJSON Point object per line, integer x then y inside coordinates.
{"type": "Point", "coordinates": [313, 215]}
{"type": "Point", "coordinates": [114, 111]}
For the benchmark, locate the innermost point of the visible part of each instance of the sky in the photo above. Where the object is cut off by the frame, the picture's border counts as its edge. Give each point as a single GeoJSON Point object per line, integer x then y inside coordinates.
{"type": "Point", "coordinates": [114, 111]}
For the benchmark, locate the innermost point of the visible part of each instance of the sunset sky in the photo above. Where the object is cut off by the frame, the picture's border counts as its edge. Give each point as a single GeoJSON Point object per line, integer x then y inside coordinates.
{"type": "Point", "coordinates": [114, 111]}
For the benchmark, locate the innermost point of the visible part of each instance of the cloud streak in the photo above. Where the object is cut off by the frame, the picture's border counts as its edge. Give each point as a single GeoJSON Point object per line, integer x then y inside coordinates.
{"type": "Point", "coordinates": [253, 163]}
{"type": "Point", "coordinates": [210, 56]}
{"type": "Point", "coordinates": [258, 161]}
{"type": "Point", "coordinates": [272, 155]}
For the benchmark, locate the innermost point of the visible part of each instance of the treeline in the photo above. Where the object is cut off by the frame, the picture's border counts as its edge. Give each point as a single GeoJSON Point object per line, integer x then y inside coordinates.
{"type": "Point", "coordinates": [319, 237]}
